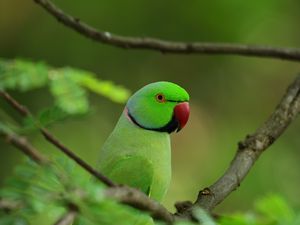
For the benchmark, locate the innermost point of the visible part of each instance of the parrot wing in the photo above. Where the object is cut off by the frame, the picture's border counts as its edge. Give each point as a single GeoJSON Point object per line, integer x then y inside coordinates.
{"type": "Point", "coordinates": [135, 171]}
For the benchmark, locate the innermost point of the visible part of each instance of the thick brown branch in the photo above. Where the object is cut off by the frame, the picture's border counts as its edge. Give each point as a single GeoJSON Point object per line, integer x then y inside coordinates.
{"type": "Point", "coordinates": [49, 137]}
{"type": "Point", "coordinates": [292, 54]}
{"type": "Point", "coordinates": [251, 148]}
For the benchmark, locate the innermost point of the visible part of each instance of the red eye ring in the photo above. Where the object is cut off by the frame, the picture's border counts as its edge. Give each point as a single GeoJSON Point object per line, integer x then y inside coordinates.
{"type": "Point", "coordinates": [160, 98]}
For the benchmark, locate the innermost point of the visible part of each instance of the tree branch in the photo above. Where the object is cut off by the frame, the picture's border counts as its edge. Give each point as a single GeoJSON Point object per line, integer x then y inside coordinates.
{"type": "Point", "coordinates": [292, 54]}
{"type": "Point", "coordinates": [250, 149]}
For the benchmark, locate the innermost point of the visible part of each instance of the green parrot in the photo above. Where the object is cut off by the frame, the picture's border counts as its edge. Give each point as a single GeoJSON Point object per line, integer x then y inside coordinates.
{"type": "Point", "coordinates": [138, 151]}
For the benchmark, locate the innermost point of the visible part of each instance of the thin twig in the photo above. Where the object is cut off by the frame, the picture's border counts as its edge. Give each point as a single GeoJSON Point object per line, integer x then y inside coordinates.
{"type": "Point", "coordinates": [52, 139]}
{"type": "Point", "coordinates": [17, 106]}
{"type": "Point", "coordinates": [22, 144]}
{"type": "Point", "coordinates": [292, 54]}
{"type": "Point", "coordinates": [49, 137]}
{"type": "Point", "coordinates": [251, 148]}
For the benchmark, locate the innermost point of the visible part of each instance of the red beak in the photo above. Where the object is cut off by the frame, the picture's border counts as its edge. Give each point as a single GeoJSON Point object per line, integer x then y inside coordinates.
{"type": "Point", "coordinates": [182, 113]}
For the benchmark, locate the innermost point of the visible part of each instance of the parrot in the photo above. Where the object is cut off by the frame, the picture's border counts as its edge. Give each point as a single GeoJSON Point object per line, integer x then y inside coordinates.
{"type": "Point", "coordinates": [138, 151]}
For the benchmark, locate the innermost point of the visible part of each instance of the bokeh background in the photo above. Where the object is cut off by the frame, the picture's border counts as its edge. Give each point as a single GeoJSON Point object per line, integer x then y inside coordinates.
{"type": "Point", "coordinates": [230, 95]}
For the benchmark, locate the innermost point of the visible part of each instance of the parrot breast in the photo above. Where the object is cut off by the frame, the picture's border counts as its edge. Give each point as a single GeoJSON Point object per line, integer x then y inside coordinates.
{"type": "Point", "coordinates": [137, 157]}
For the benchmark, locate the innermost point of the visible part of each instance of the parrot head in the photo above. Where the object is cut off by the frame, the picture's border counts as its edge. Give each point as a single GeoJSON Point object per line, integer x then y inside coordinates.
{"type": "Point", "coordinates": [160, 106]}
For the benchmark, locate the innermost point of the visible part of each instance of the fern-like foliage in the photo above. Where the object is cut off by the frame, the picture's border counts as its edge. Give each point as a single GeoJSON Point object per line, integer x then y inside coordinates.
{"type": "Point", "coordinates": [68, 86]}
{"type": "Point", "coordinates": [48, 190]}
{"type": "Point", "coordinates": [22, 75]}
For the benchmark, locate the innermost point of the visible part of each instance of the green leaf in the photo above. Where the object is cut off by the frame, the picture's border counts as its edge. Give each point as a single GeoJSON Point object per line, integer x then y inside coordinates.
{"type": "Point", "coordinates": [68, 86]}
{"type": "Point", "coordinates": [69, 95]}
{"type": "Point", "coordinates": [44, 118]}
{"type": "Point", "coordinates": [239, 219]}
{"type": "Point", "coordinates": [275, 208]}
{"type": "Point", "coordinates": [51, 115]}
{"type": "Point", "coordinates": [108, 89]}
{"type": "Point", "coordinates": [22, 75]}
{"type": "Point", "coordinates": [203, 216]}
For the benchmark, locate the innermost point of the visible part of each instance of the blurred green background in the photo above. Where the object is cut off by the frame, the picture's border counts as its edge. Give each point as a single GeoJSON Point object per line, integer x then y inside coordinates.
{"type": "Point", "coordinates": [230, 96]}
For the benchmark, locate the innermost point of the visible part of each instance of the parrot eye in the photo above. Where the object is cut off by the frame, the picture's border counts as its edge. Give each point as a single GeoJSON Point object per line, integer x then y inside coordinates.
{"type": "Point", "coordinates": [160, 98]}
